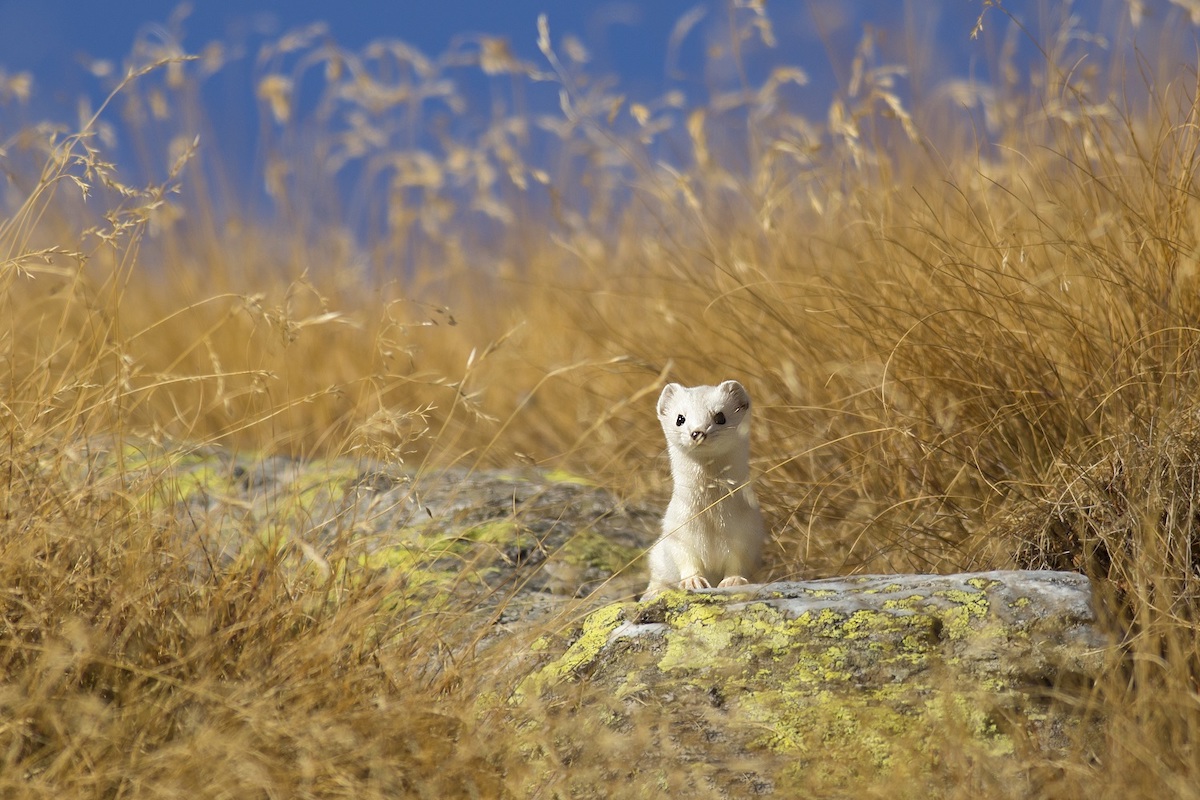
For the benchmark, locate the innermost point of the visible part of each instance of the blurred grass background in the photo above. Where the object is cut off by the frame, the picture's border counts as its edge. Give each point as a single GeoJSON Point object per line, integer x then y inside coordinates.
{"type": "Point", "coordinates": [970, 327]}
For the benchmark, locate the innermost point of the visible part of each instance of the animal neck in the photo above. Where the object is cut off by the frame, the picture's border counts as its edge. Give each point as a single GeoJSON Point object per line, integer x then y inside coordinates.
{"type": "Point", "coordinates": [728, 472]}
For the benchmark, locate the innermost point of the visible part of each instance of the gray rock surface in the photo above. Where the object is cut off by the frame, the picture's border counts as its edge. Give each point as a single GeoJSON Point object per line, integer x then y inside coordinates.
{"type": "Point", "coordinates": [513, 545]}
{"type": "Point", "coordinates": [819, 680]}
{"type": "Point", "coordinates": [1032, 625]}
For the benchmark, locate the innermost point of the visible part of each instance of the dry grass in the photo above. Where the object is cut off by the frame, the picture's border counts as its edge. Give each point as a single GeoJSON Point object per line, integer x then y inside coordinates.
{"type": "Point", "coordinates": [966, 351]}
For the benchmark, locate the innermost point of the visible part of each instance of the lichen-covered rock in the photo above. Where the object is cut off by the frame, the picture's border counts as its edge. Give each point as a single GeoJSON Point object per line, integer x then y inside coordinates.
{"type": "Point", "coordinates": [503, 547]}
{"type": "Point", "coordinates": [815, 682]}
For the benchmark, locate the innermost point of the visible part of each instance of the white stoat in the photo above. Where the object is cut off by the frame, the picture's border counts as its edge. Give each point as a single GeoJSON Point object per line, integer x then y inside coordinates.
{"type": "Point", "coordinates": [713, 530]}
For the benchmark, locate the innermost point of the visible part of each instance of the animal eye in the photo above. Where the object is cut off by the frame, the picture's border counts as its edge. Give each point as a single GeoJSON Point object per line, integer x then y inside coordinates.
{"type": "Point", "coordinates": [719, 418]}
{"type": "Point", "coordinates": [680, 420]}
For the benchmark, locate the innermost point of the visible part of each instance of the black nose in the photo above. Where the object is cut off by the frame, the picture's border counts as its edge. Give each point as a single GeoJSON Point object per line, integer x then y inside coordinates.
{"type": "Point", "coordinates": [699, 436]}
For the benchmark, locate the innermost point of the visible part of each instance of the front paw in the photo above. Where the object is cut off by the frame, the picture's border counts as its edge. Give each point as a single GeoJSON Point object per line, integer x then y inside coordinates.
{"type": "Point", "coordinates": [733, 580]}
{"type": "Point", "coordinates": [695, 582]}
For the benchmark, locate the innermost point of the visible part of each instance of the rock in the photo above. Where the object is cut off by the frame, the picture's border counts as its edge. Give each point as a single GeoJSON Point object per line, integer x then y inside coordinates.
{"type": "Point", "coordinates": [795, 689]}
{"type": "Point", "coordinates": [787, 686]}
{"type": "Point", "coordinates": [497, 548]}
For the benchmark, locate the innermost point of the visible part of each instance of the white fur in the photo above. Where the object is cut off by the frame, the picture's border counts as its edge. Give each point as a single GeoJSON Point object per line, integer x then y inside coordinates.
{"type": "Point", "coordinates": [713, 530]}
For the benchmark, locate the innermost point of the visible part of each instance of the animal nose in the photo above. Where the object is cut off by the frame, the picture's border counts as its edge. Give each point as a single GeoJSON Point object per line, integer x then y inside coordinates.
{"type": "Point", "coordinates": [699, 436]}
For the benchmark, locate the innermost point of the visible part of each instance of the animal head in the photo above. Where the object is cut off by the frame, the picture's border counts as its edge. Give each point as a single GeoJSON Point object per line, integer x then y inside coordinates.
{"type": "Point", "coordinates": [705, 422]}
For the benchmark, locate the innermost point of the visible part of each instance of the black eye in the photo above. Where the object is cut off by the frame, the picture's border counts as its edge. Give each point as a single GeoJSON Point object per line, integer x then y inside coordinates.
{"type": "Point", "coordinates": [680, 420]}
{"type": "Point", "coordinates": [719, 418]}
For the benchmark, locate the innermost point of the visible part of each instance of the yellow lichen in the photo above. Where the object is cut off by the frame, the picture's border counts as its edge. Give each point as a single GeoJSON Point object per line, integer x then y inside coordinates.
{"type": "Point", "coordinates": [700, 639]}
{"type": "Point", "coordinates": [597, 628]}
{"type": "Point", "coordinates": [564, 476]}
{"type": "Point", "coordinates": [873, 685]}
{"type": "Point", "coordinates": [587, 548]}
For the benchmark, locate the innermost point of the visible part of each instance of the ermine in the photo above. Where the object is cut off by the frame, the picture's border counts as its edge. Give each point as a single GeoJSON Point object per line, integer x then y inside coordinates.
{"type": "Point", "coordinates": [712, 532]}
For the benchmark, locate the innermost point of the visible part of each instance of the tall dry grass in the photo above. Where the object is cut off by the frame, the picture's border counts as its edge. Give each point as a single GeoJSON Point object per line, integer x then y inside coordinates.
{"type": "Point", "coordinates": [969, 347]}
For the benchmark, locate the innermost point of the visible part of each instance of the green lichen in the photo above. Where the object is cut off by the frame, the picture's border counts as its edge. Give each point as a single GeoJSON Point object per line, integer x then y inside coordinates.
{"type": "Point", "coordinates": [136, 458]}
{"type": "Point", "coordinates": [586, 548]}
{"type": "Point", "coordinates": [966, 608]}
{"type": "Point", "coordinates": [982, 584]}
{"type": "Point", "coordinates": [803, 693]}
{"type": "Point", "coordinates": [404, 557]}
{"type": "Point", "coordinates": [704, 644]}
{"type": "Point", "coordinates": [322, 486]}
{"type": "Point", "coordinates": [181, 487]}
{"type": "Point", "coordinates": [502, 531]}
{"type": "Point", "coordinates": [910, 603]}
{"type": "Point", "coordinates": [430, 557]}
{"type": "Point", "coordinates": [874, 686]}
{"type": "Point", "coordinates": [564, 476]}
{"type": "Point", "coordinates": [676, 600]}
{"type": "Point", "coordinates": [597, 628]}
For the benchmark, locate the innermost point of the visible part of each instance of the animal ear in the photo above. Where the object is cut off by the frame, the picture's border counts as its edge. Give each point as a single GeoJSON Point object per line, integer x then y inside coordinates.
{"type": "Point", "coordinates": [736, 393]}
{"type": "Point", "coordinates": [664, 399]}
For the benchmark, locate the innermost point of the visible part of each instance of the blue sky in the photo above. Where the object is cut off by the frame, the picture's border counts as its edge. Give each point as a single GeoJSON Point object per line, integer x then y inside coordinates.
{"type": "Point", "coordinates": [52, 39]}
{"type": "Point", "coordinates": [627, 39]}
